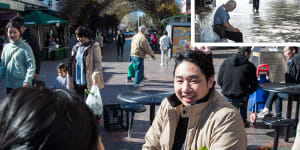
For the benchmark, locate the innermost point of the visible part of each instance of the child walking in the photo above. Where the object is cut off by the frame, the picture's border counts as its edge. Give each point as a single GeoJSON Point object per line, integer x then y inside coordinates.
{"type": "Point", "coordinates": [61, 79]}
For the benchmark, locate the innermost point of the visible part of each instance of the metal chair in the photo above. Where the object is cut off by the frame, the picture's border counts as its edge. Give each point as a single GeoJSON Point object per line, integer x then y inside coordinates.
{"type": "Point", "coordinates": [277, 123]}
{"type": "Point", "coordinates": [133, 108]}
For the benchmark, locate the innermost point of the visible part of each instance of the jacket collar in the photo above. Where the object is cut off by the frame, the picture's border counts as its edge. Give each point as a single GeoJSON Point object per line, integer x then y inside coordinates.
{"type": "Point", "coordinates": [194, 109]}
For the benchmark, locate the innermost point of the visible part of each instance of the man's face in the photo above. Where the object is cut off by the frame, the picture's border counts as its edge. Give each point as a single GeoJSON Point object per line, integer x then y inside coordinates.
{"type": "Point", "coordinates": [190, 83]}
{"type": "Point", "coordinates": [287, 52]}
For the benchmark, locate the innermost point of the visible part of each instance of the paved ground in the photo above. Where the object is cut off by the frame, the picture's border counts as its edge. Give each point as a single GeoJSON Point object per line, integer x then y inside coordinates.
{"type": "Point", "coordinates": [277, 21]}
{"type": "Point", "coordinates": [159, 78]}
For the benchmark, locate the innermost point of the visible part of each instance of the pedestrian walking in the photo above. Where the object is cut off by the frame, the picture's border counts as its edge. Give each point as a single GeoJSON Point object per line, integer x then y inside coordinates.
{"type": "Point", "coordinates": [99, 39]}
{"type": "Point", "coordinates": [47, 119]}
{"type": "Point", "coordinates": [33, 43]}
{"type": "Point", "coordinates": [196, 116]}
{"type": "Point", "coordinates": [120, 43]}
{"type": "Point", "coordinates": [255, 5]}
{"type": "Point", "coordinates": [61, 79]}
{"type": "Point", "coordinates": [237, 78]}
{"type": "Point", "coordinates": [85, 64]}
{"type": "Point", "coordinates": [139, 49]}
{"type": "Point", "coordinates": [165, 44]}
{"type": "Point", "coordinates": [221, 23]}
{"type": "Point", "coordinates": [17, 60]}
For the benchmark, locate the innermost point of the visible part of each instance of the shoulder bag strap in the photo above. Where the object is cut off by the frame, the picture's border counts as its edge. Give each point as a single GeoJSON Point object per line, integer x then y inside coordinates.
{"type": "Point", "coordinates": [12, 56]}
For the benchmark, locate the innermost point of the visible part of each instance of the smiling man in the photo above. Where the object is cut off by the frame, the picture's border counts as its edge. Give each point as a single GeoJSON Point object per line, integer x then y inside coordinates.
{"type": "Point", "coordinates": [196, 115]}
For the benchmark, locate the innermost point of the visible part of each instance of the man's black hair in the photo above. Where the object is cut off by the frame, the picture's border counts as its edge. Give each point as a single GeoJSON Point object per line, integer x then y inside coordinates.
{"type": "Point", "coordinates": [198, 58]}
{"type": "Point", "coordinates": [46, 120]}
{"type": "Point", "coordinates": [243, 50]}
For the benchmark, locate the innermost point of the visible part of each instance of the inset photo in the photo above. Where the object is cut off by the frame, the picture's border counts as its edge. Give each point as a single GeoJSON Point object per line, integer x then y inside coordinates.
{"type": "Point", "coordinates": [245, 21]}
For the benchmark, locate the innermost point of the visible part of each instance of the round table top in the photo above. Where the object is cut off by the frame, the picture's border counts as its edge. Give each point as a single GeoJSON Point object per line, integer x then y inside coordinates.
{"type": "Point", "coordinates": [146, 97]}
{"type": "Point", "coordinates": [289, 88]}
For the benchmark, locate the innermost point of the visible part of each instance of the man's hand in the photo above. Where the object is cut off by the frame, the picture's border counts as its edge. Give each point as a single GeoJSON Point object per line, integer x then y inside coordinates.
{"type": "Point", "coordinates": [236, 30]}
{"type": "Point", "coordinates": [25, 84]}
{"type": "Point", "coordinates": [153, 57]}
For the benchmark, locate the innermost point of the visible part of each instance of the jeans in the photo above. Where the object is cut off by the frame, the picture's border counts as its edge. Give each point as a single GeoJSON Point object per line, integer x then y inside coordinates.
{"type": "Point", "coordinates": [243, 108]}
{"type": "Point", "coordinates": [234, 36]}
{"type": "Point", "coordinates": [139, 73]}
{"type": "Point", "coordinates": [256, 4]}
{"type": "Point", "coordinates": [278, 102]}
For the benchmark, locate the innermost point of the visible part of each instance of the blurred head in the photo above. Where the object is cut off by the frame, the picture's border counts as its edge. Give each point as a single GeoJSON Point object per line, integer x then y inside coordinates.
{"type": "Point", "coordinates": [193, 76]}
{"type": "Point", "coordinates": [62, 69]}
{"type": "Point", "coordinates": [290, 51]}
{"type": "Point", "coordinates": [13, 31]}
{"type": "Point", "coordinates": [165, 33]}
{"type": "Point", "coordinates": [46, 120]}
{"type": "Point", "coordinates": [245, 51]}
{"type": "Point", "coordinates": [20, 21]}
{"type": "Point", "coordinates": [230, 5]}
{"type": "Point", "coordinates": [82, 34]}
{"type": "Point", "coordinates": [143, 29]}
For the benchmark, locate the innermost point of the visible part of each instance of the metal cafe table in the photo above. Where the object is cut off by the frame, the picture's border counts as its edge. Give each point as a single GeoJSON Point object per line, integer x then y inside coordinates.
{"type": "Point", "coordinates": [288, 88]}
{"type": "Point", "coordinates": [146, 97]}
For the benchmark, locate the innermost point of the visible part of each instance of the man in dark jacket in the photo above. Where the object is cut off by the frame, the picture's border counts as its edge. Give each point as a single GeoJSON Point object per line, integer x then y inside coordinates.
{"type": "Point", "coordinates": [120, 43]}
{"type": "Point", "coordinates": [237, 78]}
{"type": "Point", "coordinates": [32, 41]}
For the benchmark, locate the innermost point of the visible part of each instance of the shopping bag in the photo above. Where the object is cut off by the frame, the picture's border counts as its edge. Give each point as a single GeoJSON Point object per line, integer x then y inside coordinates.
{"type": "Point", "coordinates": [131, 69]}
{"type": "Point", "coordinates": [94, 100]}
{"type": "Point", "coordinates": [208, 35]}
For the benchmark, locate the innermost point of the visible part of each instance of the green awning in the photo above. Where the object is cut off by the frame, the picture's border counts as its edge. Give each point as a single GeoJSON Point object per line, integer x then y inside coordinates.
{"type": "Point", "coordinates": [3, 5]}
{"type": "Point", "coordinates": [38, 17]}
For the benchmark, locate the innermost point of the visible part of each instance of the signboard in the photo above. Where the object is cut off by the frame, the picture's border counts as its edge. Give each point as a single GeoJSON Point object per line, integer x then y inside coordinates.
{"type": "Point", "coordinates": [181, 35]}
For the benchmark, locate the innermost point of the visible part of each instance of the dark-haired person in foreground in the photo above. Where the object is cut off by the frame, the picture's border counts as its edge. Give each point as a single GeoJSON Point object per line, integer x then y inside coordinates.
{"type": "Point", "coordinates": [32, 119]}
{"type": "Point", "coordinates": [196, 115]}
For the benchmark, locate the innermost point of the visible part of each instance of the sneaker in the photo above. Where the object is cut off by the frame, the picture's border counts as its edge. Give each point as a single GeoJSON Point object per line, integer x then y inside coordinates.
{"type": "Point", "coordinates": [138, 85]}
{"type": "Point", "coordinates": [128, 81]}
{"type": "Point", "coordinates": [263, 113]}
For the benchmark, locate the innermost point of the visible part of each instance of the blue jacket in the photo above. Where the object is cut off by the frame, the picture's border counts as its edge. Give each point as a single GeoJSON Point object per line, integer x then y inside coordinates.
{"type": "Point", "coordinates": [18, 60]}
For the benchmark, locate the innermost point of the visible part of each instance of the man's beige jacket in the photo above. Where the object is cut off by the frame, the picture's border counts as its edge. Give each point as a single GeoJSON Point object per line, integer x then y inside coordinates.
{"type": "Point", "coordinates": [140, 46]}
{"type": "Point", "coordinates": [215, 124]}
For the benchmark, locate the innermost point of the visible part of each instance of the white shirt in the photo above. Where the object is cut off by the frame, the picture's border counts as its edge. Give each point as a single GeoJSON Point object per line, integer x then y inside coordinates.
{"type": "Point", "coordinates": [164, 42]}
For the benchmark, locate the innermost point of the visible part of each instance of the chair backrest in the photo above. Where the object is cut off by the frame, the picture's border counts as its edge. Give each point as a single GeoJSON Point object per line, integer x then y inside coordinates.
{"type": "Point", "coordinates": [262, 68]}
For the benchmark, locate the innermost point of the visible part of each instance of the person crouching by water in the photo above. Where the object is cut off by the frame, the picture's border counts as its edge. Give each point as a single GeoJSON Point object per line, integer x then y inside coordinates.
{"type": "Point", "coordinates": [196, 115]}
{"type": "Point", "coordinates": [17, 59]}
{"type": "Point", "coordinates": [85, 65]}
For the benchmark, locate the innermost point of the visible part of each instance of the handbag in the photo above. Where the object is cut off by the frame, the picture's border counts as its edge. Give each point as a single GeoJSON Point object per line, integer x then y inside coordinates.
{"type": "Point", "coordinates": [220, 30]}
{"type": "Point", "coordinates": [38, 84]}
